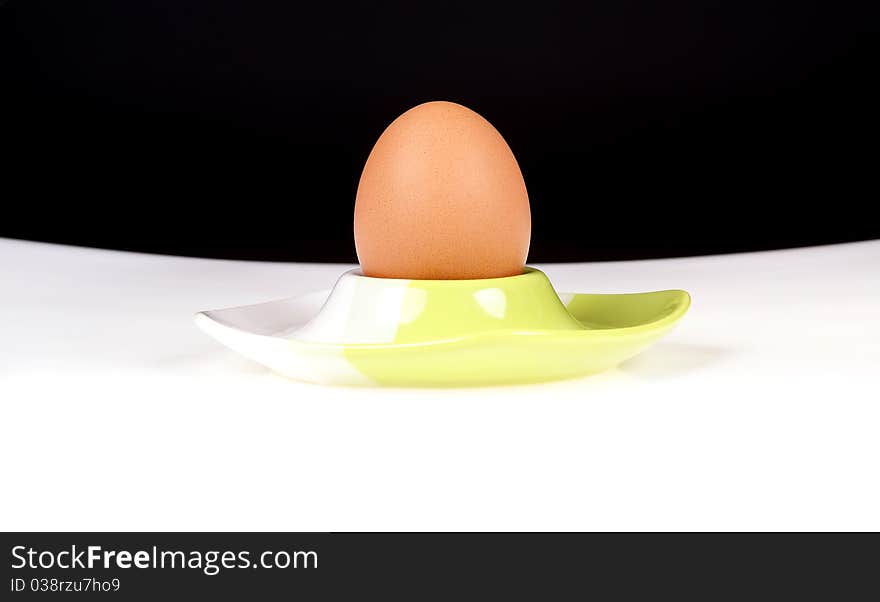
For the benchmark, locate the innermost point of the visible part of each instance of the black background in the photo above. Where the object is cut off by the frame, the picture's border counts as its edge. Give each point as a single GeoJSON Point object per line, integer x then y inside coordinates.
{"type": "Point", "coordinates": [239, 129]}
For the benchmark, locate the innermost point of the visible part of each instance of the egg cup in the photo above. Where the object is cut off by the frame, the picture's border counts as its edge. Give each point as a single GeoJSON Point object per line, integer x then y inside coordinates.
{"type": "Point", "coordinates": [445, 333]}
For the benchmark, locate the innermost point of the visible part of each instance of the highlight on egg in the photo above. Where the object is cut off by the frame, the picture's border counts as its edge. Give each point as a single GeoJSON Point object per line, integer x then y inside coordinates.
{"type": "Point", "coordinates": [441, 197]}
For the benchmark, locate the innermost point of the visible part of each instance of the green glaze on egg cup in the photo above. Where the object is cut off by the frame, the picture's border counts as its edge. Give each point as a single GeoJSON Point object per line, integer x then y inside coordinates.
{"type": "Point", "coordinates": [447, 333]}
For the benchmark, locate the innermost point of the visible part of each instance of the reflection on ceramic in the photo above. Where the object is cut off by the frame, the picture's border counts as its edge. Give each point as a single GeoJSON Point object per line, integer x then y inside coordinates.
{"type": "Point", "coordinates": [380, 331]}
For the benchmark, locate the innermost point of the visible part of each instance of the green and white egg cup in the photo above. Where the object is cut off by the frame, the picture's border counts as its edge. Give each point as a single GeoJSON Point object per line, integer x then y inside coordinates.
{"type": "Point", "coordinates": [445, 333]}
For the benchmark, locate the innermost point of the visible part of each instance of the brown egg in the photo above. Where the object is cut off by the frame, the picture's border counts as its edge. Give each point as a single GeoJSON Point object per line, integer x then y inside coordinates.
{"type": "Point", "coordinates": [441, 197]}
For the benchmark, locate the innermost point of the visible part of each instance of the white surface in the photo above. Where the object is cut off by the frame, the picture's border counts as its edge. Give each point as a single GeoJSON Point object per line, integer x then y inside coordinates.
{"type": "Point", "coordinates": [761, 411]}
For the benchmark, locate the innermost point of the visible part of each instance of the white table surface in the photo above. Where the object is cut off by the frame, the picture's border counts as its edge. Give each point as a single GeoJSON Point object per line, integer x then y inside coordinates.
{"type": "Point", "coordinates": [760, 411]}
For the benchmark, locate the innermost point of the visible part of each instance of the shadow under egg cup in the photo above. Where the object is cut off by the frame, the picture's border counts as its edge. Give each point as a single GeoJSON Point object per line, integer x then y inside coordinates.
{"type": "Point", "coordinates": [445, 333]}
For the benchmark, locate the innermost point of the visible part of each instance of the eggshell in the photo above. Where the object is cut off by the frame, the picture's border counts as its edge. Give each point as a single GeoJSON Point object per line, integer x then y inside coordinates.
{"type": "Point", "coordinates": [441, 197]}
